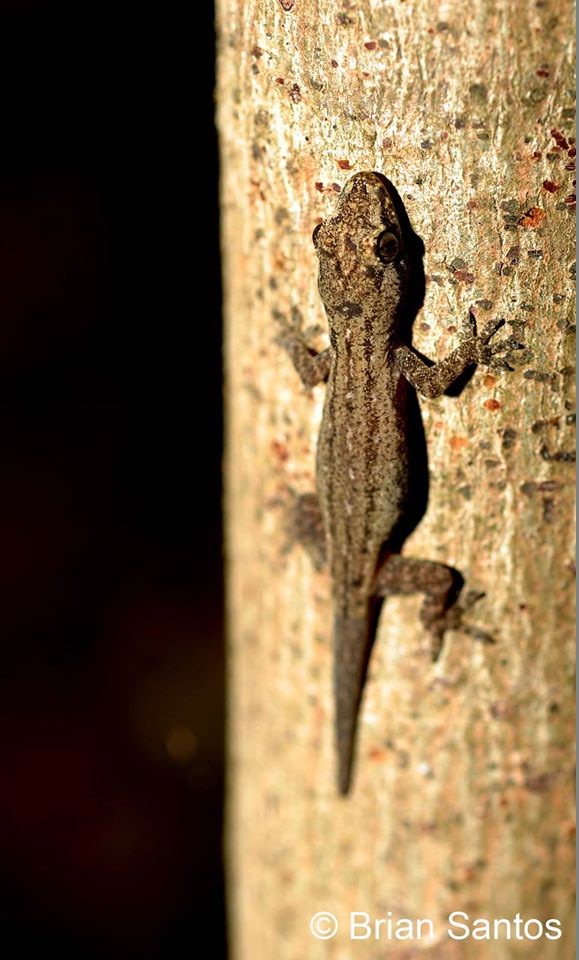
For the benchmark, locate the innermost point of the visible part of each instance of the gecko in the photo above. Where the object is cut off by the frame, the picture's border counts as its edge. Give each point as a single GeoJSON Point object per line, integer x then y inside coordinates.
{"type": "Point", "coordinates": [371, 479]}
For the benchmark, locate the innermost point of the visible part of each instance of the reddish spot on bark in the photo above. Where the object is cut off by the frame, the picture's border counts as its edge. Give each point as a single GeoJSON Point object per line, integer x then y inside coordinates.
{"type": "Point", "coordinates": [489, 381]}
{"type": "Point", "coordinates": [258, 188]}
{"type": "Point", "coordinates": [464, 276]}
{"type": "Point", "coordinates": [295, 93]}
{"type": "Point", "coordinates": [387, 143]}
{"type": "Point", "coordinates": [542, 73]}
{"type": "Point", "coordinates": [257, 52]}
{"type": "Point", "coordinates": [371, 45]}
{"type": "Point", "coordinates": [492, 405]}
{"type": "Point", "coordinates": [540, 782]}
{"type": "Point", "coordinates": [344, 165]}
{"type": "Point", "coordinates": [376, 755]}
{"type": "Point", "coordinates": [532, 218]}
{"type": "Point", "coordinates": [569, 166]}
{"type": "Point", "coordinates": [572, 151]}
{"type": "Point", "coordinates": [502, 710]}
{"type": "Point", "coordinates": [472, 204]}
{"type": "Point", "coordinates": [319, 186]}
{"type": "Point", "coordinates": [550, 186]}
{"type": "Point", "coordinates": [559, 139]}
{"type": "Point", "coordinates": [280, 450]}
{"type": "Point", "coordinates": [334, 63]}
{"type": "Point", "coordinates": [457, 443]}
{"type": "Point", "coordinates": [279, 80]}
{"type": "Point", "coordinates": [451, 328]}
{"type": "Point", "coordinates": [571, 200]}
{"type": "Point", "coordinates": [537, 155]}
{"type": "Point", "coordinates": [336, 188]}
{"type": "Point", "coordinates": [287, 4]}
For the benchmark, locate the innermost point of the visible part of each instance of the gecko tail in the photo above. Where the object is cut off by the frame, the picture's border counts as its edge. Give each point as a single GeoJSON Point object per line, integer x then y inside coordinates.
{"type": "Point", "coordinates": [353, 638]}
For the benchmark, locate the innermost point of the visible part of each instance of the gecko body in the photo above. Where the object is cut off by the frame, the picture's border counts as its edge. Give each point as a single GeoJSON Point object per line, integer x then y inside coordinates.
{"type": "Point", "coordinates": [370, 472]}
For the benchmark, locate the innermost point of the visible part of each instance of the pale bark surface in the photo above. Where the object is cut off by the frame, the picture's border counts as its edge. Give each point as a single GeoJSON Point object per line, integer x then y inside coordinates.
{"type": "Point", "coordinates": [463, 787]}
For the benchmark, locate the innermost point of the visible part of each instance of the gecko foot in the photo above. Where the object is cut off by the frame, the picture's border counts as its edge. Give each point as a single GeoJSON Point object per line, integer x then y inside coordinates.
{"type": "Point", "coordinates": [292, 328]}
{"type": "Point", "coordinates": [493, 355]}
{"type": "Point", "coordinates": [453, 619]}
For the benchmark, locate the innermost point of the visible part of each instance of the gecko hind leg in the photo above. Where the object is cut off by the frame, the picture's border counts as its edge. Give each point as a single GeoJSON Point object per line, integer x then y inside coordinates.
{"type": "Point", "coordinates": [304, 526]}
{"type": "Point", "coordinates": [441, 586]}
{"type": "Point", "coordinates": [309, 529]}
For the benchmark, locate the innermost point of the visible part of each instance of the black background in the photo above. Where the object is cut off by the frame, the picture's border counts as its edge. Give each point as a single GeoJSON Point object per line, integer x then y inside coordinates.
{"type": "Point", "coordinates": [111, 678]}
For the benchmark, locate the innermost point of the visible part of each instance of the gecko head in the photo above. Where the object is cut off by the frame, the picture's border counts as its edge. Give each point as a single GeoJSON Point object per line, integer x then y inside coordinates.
{"type": "Point", "coordinates": [362, 258]}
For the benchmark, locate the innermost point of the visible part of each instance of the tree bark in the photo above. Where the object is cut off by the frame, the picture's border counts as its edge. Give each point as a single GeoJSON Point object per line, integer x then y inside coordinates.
{"type": "Point", "coordinates": [463, 797]}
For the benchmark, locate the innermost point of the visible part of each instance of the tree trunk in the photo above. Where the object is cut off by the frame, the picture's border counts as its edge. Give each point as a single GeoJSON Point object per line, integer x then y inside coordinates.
{"type": "Point", "coordinates": [462, 799]}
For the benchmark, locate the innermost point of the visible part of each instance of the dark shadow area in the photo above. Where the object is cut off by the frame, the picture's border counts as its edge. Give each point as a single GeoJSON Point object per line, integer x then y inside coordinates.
{"type": "Point", "coordinates": [416, 440]}
{"type": "Point", "coordinates": [111, 689]}
{"type": "Point", "coordinates": [415, 248]}
{"type": "Point", "coordinates": [418, 453]}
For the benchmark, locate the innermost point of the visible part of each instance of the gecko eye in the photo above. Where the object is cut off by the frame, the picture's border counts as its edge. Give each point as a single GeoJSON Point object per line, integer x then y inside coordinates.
{"type": "Point", "coordinates": [315, 234]}
{"type": "Point", "coordinates": [387, 246]}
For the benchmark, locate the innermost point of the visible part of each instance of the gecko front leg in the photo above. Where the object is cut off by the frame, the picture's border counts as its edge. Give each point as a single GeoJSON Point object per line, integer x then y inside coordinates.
{"type": "Point", "coordinates": [434, 379]}
{"type": "Point", "coordinates": [311, 365]}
